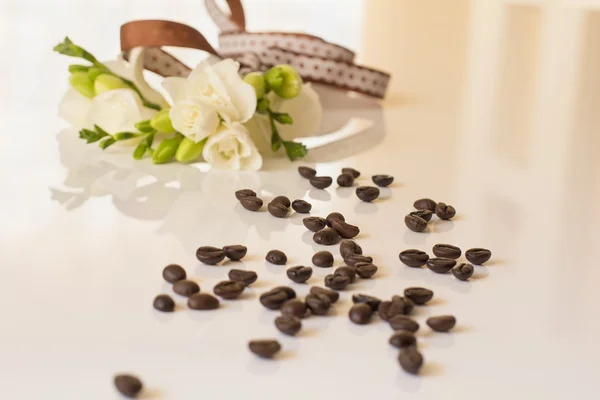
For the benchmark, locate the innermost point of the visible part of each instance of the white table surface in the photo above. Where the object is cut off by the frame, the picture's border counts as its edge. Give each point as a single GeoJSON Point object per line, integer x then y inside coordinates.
{"type": "Point", "coordinates": [84, 235]}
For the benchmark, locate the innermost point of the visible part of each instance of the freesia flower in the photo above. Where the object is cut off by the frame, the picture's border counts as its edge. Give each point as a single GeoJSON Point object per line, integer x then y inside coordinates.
{"type": "Point", "coordinates": [232, 148]}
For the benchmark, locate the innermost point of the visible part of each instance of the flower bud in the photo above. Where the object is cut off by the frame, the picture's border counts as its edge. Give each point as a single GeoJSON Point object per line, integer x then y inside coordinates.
{"type": "Point", "coordinates": [166, 150]}
{"type": "Point", "coordinates": [257, 81]}
{"type": "Point", "coordinates": [106, 82]}
{"type": "Point", "coordinates": [82, 83]}
{"type": "Point", "coordinates": [284, 80]}
{"type": "Point", "coordinates": [162, 121]}
{"type": "Point", "coordinates": [262, 105]}
{"type": "Point", "coordinates": [189, 150]}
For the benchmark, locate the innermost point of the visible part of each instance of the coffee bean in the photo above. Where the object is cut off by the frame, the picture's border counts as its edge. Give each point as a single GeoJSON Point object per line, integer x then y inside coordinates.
{"type": "Point", "coordinates": [367, 193]}
{"type": "Point", "coordinates": [354, 259]}
{"type": "Point", "coordinates": [441, 265]}
{"type": "Point", "coordinates": [371, 301]}
{"type": "Point", "coordinates": [414, 223]}
{"type": "Point", "coordinates": [173, 273]}
{"type": "Point", "coordinates": [277, 210]}
{"type": "Point", "coordinates": [463, 271]}
{"type": "Point", "coordinates": [360, 313]}
{"type": "Point", "coordinates": [478, 256]}
{"type": "Point", "coordinates": [307, 172]}
{"type": "Point", "coordinates": [442, 323]}
{"type": "Point", "coordinates": [425, 214]}
{"type": "Point", "coordinates": [323, 259]}
{"type": "Point", "coordinates": [290, 293]}
{"type": "Point", "coordinates": [403, 339]}
{"type": "Point", "coordinates": [418, 295]}
{"type": "Point", "coordinates": [327, 237]}
{"type": "Point", "coordinates": [354, 173]}
{"type": "Point", "coordinates": [397, 306]}
{"type": "Point", "coordinates": [301, 206]}
{"type": "Point", "coordinates": [246, 277]}
{"type": "Point", "coordinates": [203, 301]}
{"type": "Point", "coordinates": [349, 248]}
{"type": "Point", "coordinates": [244, 193]}
{"type": "Point", "coordinates": [264, 348]}
{"type": "Point", "coordinates": [288, 324]}
{"type": "Point", "coordinates": [444, 211]}
{"type": "Point", "coordinates": [345, 180]}
{"type": "Point", "coordinates": [332, 295]}
{"type": "Point", "coordinates": [365, 270]}
{"type": "Point", "coordinates": [446, 251]}
{"type": "Point", "coordinates": [321, 182]}
{"type": "Point", "coordinates": [336, 281]}
{"type": "Point", "coordinates": [425, 204]}
{"type": "Point", "coordinates": [318, 303]}
{"type": "Point", "coordinates": [282, 200]}
{"type": "Point", "coordinates": [402, 322]}
{"type": "Point", "coordinates": [345, 230]}
{"type": "Point", "coordinates": [251, 203]}
{"type": "Point", "coordinates": [348, 271]}
{"type": "Point", "coordinates": [210, 255]}
{"type": "Point", "coordinates": [383, 180]}
{"type": "Point", "coordinates": [228, 289]}
{"type": "Point", "coordinates": [294, 307]}
{"type": "Point", "coordinates": [274, 298]}
{"type": "Point", "coordinates": [128, 385]}
{"type": "Point", "coordinates": [314, 224]}
{"type": "Point", "coordinates": [414, 258]}
{"type": "Point", "coordinates": [299, 274]}
{"type": "Point", "coordinates": [164, 303]}
{"type": "Point", "coordinates": [186, 288]}
{"type": "Point", "coordinates": [235, 252]}
{"type": "Point", "coordinates": [410, 360]}
{"type": "Point", "coordinates": [276, 257]}
{"type": "Point", "coordinates": [334, 215]}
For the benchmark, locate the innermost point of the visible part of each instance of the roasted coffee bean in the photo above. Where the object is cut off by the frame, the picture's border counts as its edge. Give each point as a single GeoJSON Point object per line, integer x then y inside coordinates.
{"type": "Point", "coordinates": [345, 180]}
{"type": "Point", "coordinates": [418, 295]}
{"type": "Point", "coordinates": [446, 251]}
{"type": "Point", "coordinates": [294, 307]}
{"type": "Point", "coordinates": [410, 360]}
{"type": "Point", "coordinates": [239, 275]}
{"type": "Point", "coordinates": [301, 206]}
{"type": "Point", "coordinates": [244, 193]}
{"type": "Point", "coordinates": [210, 255]}
{"type": "Point", "coordinates": [235, 252]}
{"type": "Point", "coordinates": [397, 306]}
{"type": "Point", "coordinates": [367, 193]}
{"type": "Point", "coordinates": [323, 259]}
{"type": "Point", "coordinates": [334, 215]}
{"type": "Point", "coordinates": [425, 214]}
{"type": "Point", "coordinates": [383, 180]}
{"type": "Point", "coordinates": [277, 210]}
{"type": "Point", "coordinates": [288, 324]}
{"type": "Point", "coordinates": [371, 301]}
{"type": "Point", "coordinates": [318, 303]}
{"type": "Point", "coordinates": [173, 273]}
{"type": "Point", "coordinates": [444, 211]}
{"type": "Point", "coordinates": [164, 303]}
{"type": "Point", "coordinates": [321, 182]}
{"type": "Point", "coordinates": [336, 281]}
{"type": "Point", "coordinates": [229, 289]}
{"type": "Point", "coordinates": [350, 272]}
{"type": "Point", "coordinates": [203, 301]}
{"type": "Point", "coordinates": [314, 224]}
{"type": "Point", "coordinates": [402, 322]}
{"type": "Point", "coordinates": [360, 313]}
{"type": "Point", "coordinates": [414, 223]}
{"type": "Point", "coordinates": [354, 259]}
{"type": "Point", "coordinates": [276, 257]}
{"type": "Point", "coordinates": [425, 204]}
{"type": "Point", "coordinates": [251, 203]}
{"type": "Point", "coordinates": [463, 271]}
{"type": "Point", "coordinates": [345, 230]}
{"type": "Point", "coordinates": [290, 293]}
{"type": "Point", "coordinates": [365, 270]}
{"type": "Point", "coordinates": [299, 274]}
{"type": "Point", "coordinates": [186, 288]}
{"type": "Point", "coordinates": [442, 323]}
{"type": "Point", "coordinates": [414, 258]}
{"type": "Point", "coordinates": [264, 348]}
{"type": "Point", "coordinates": [441, 265]}
{"type": "Point", "coordinates": [327, 237]}
{"type": "Point", "coordinates": [331, 294]}
{"type": "Point", "coordinates": [478, 256]}
{"type": "Point", "coordinates": [403, 339]}
{"type": "Point", "coordinates": [307, 172]}
{"type": "Point", "coordinates": [128, 385]}
{"type": "Point", "coordinates": [349, 248]}
{"type": "Point", "coordinates": [282, 200]}
{"type": "Point", "coordinates": [354, 173]}
{"type": "Point", "coordinates": [274, 298]}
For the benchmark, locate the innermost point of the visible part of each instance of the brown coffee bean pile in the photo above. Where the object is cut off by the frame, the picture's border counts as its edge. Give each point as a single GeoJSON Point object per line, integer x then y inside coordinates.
{"type": "Point", "coordinates": [417, 221]}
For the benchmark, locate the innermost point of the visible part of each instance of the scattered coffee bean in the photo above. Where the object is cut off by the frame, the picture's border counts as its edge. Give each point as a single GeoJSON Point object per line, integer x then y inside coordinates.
{"type": "Point", "coordinates": [239, 275]}
{"type": "Point", "coordinates": [367, 193]}
{"type": "Point", "coordinates": [323, 259]}
{"type": "Point", "coordinates": [446, 251]}
{"type": "Point", "coordinates": [277, 210]}
{"type": "Point", "coordinates": [478, 256]}
{"type": "Point", "coordinates": [282, 200]}
{"type": "Point", "coordinates": [444, 211]}
{"type": "Point", "coordinates": [371, 301]}
{"type": "Point", "coordinates": [383, 180]}
{"type": "Point", "coordinates": [345, 180]}
{"type": "Point", "coordinates": [301, 206]}
{"type": "Point", "coordinates": [360, 313]}
{"type": "Point", "coordinates": [318, 303]}
{"type": "Point", "coordinates": [442, 323]}
{"type": "Point", "coordinates": [299, 274]}
{"type": "Point", "coordinates": [403, 339]}
{"type": "Point", "coordinates": [354, 259]}
{"type": "Point", "coordinates": [288, 324]}
{"type": "Point", "coordinates": [336, 281]}
{"type": "Point", "coordinates": [244, 193]}
{"type": "Point", "coordinates": [441, 265]}
{"type": "Point", "coordinates": [349, 248]}
{"type": "Point", "coordinates": [210, 255]}
{"type": "Point", "coordinates": [414, 223]}
{"type": "Point", "coordinates": [425, 214]}
{"type": "Point", "coordinates": [425, 204]}
{"type": "Point", "coordinates": [186, 288]}
{"type": "Point", "coordinates": [128, 385]}
{"type": "Point", "coordinates": [229, 289]}
{"type": "Point", "coordinates": [276, 257]}
{"type": "Point", "coordinates": [274, 298]}
{"type": "Point", "coordinates": [348, 271]}
{"type": "Point", "coordinates": [365, 270]}
{"type": "Point", "coordinates": [264, 348]}
{"type": "Point", "coordinates": [463, 271]}
{"type": "Point", "coordinates": [235, 252]}
{"type": "Point", "coordinates": [321, 182]}
{"type": "Point", "coordinates": [397, 306]}
{"type": "Point", "coordinates": [331, 294]}
{"type": "Point", "coordinates": [294, 307]}
{"type": "Point", "coordinates": [402, 322]}
{"type": "Point", "coordinates": [418, 295]}
{"type": "Point", "coordinates": [345, 230]}
{"type": "Point", "coordinates": [354, 173]}
{"type": "Point", "coordinates": [203, 301]}
{"type": "Point", "coordinates": [251, 203]}
{"type": "Point", "coordinates": [314, 224]}
{"type": "Point", "coordinates": [173, 273]}
{"type": "Point", "coordinates": [410, 360]}
{"type": "Point", "coordinates": [307, 172]}
{"type": "Point", "coordinates": [414, 258]}
{"type": "Point", "coordinates": [327, 237]}
{"type": "Point", "coordinates": [334, 215]}
{"type": "Point", "coordinates": [164, 303]}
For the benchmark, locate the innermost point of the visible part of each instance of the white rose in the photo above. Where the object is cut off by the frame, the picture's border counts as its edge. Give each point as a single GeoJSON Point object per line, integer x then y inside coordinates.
{"type": "Point", "coordinates": [232, 148]}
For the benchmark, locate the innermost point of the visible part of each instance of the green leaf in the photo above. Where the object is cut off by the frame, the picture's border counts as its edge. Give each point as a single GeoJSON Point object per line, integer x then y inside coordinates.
{"type": "Point", "coordinates": [90, 136]}
{"type": "Point", "coordinates": [68, 48]}
{"type": "Point", "coordinates": [294, 150]}
{"type": "Point", "coordinates": [283, 118]}
{"type": "Point", "coordinates": [100, 130]}
{"type": "Point", "coordinates": [78, 68]}
{"type": "Point", "coordinates": [150, 140]}
{"type": "Point", "coordinates": [124, 136]}
{"type": "Point", "coordinates": [107, 143]}
{"type": "Point", "coordinates": [140, 150]}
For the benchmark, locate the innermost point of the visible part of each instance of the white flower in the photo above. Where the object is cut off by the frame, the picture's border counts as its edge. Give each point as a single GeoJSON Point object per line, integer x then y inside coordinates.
{"type": "Point", "coordinates": [73, 108]}
{"type": "Point", "coordinates": [194, 119]}
{"type": "Point", "coordinates": [232, 148]}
